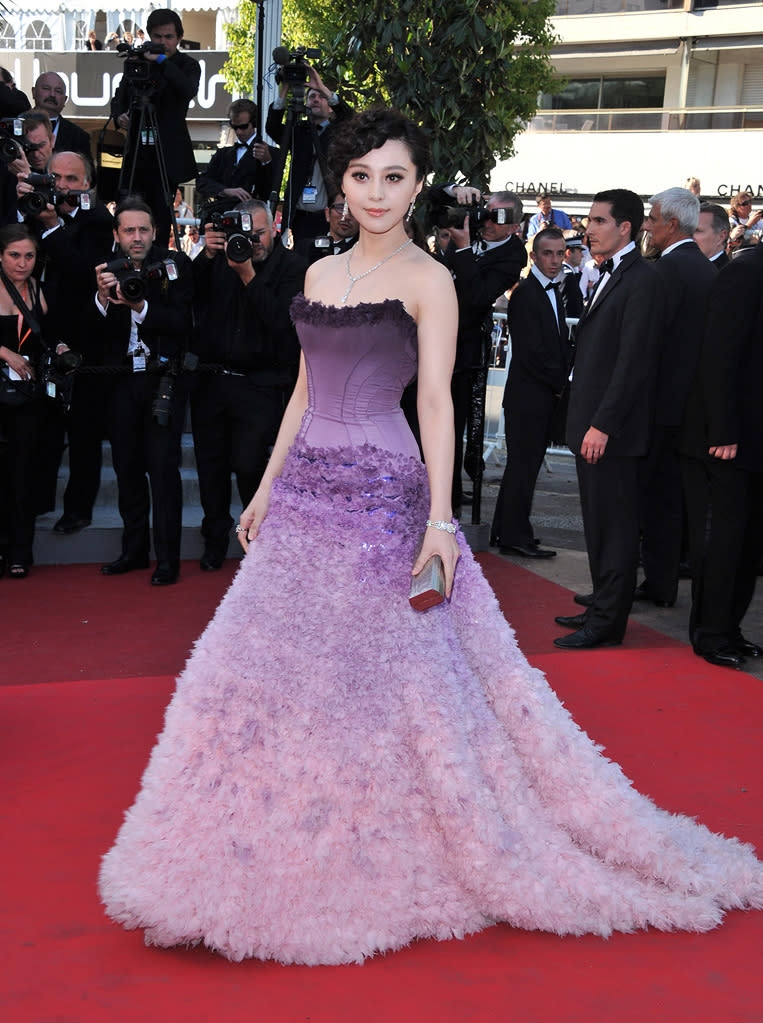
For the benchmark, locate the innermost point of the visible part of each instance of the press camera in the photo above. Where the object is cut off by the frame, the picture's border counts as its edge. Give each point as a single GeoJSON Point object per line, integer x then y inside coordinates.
{"type": "Point", "coordinates": [138, 69]}
{"type": "Point", "coordinates": [293, 67]}
{"type": "Point", "coordinates": [13, 142]}
{"type": "Point", "coordinates": [236, 225]}
{"type": "Point", "coordinates": [32, 204]}
{"type": "Point", "coordinates": [133, 281]}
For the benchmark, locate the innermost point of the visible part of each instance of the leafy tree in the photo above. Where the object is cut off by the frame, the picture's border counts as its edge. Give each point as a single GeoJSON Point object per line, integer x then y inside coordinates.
{"type": "Point", "coordinates": [469, 71]}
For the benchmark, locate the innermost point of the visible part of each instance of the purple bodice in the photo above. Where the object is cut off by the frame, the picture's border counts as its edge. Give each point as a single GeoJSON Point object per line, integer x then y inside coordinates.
{"type": "Point", "coordinates": [359, 359]}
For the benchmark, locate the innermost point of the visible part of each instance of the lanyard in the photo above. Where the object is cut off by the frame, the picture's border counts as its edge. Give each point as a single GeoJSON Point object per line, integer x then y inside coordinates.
{"type": "Point", "coordinates": [21, 320]}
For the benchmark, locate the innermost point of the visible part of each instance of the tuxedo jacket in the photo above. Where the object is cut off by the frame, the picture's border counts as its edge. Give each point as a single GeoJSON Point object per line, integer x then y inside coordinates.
{"type": "Point", "coordinates": [167, 326]}
{"type": "Point", "coordinates": [720, 261]}
{"type": "Point", "coordinates": [223, 172]}
{"type": "Point", "coordinates": [724, 404]}
{"type": "Point", "coordinates": [687, 277]}
{"type": "Point", "coordinates": [70, 255]}
{"type": "Point", "coordinates": [539, 349]}
{"type": "Point", "coordinates": [311, 251]}
{"type": "Point", "coordinates": [616, 350]}
{"type": "Point", "coordinates": [70, 138]}
{"type": "Point", "coordinates": [177, 82]}
{"type": "Point", "coordinates": [303, 156]}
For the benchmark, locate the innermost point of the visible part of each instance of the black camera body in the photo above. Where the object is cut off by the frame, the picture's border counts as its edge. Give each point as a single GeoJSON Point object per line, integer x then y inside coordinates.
{"type": "Point", "coordinates": [57, 374]}
{"type": "Point", "coordinates": [13, 142]}
{"type": "Point", "coordinates": [478, 213]}
{"type": "Point", "coordinates": [170, 369]}
{"type": "Point", "coordinates": [293, 67]}
{"type": "Point", "coordinates": [133, 281]}
{"type": "Point", "coordinates": [138, 70]}
{"type": "Point", "coordinates": [236, 225]}
{"type": "Point", "coordinates": [32, 204]}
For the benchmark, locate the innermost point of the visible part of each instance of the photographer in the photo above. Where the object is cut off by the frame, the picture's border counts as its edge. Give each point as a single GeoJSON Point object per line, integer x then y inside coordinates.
{"type": "Point", "coordinates": [306, 195]}
{"type": "Point", "coordinates": [482, 269]}
{"type": "Point", "coordinates": [244, 287]}
{"type": "Point", "coordinates": [172, 82]}
{"type": "Point", "coordinates": [244, 169]}
{"type": "Point", "coordinates": [73, 239]}
{"type": "Point", "coordinates": [146, 337]}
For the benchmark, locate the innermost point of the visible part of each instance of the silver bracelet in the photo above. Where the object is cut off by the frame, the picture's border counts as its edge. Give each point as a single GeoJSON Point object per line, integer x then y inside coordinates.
{"type": "Point", "coordinates": [446, 527]}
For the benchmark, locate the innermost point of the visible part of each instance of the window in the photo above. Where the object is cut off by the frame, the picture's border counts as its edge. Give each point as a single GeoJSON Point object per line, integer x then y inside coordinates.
{"type": "Point", "coordinates": [618, 6]}
{"type": "Point", "coordinates": [7, 36]}
{"type": "Point", "coordinates": [38, 37]}
{"type": "Point", "coordinates": [607, 93]}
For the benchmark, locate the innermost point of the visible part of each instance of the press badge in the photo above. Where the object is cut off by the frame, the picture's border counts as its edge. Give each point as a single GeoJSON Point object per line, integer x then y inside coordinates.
{"type": "Point", "coordinates": [309, 195]}
{"type": "Point", "coordinates": [50, 389]}
{"type": "Point", "coordinates": [139, 360]}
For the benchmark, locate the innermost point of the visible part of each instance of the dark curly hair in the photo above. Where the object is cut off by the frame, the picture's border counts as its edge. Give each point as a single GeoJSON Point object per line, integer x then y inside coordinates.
{"type": "Point", "coordinates": [369, 130]}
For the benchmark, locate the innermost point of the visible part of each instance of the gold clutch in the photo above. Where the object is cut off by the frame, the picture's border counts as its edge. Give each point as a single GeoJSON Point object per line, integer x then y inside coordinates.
{"type": "Point", "coordinates": [428, 587]}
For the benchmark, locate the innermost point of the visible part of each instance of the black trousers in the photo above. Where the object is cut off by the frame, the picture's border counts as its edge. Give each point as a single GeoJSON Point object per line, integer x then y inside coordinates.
{"type": "Point", "coordinates": [725, 505]}
{"type": "Point", "coordinates": [235, 422]}
{"type": "Point", "coordinates": [144, 451]}
{"type": "Point", "coordinates": [609, 492]}
{"type": "Point", "coordinates": [20, 432]}
{"type": "Point", "coordinates": [526, 442]}
{"type": "Point", "coordinates": [461, 392]}
{"type": "Point", "coordinates": [662, 514]}
{"type": "Point", "coordinates": [86, 428]}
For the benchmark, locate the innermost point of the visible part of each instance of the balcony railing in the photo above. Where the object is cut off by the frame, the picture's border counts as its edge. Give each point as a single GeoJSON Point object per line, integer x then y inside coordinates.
{"type": "Point", "coordinates": [578, 7]}
{"type": "Point", "coordinates": [678, 119]}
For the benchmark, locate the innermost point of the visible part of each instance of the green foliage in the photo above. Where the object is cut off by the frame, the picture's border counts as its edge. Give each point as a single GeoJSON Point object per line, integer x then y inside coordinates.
{"type": "Point", "coordinates": [469, 71]}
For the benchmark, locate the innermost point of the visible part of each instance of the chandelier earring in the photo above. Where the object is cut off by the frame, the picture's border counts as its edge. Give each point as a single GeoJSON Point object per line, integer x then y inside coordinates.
{"type": "Point", "coordinates": [345, 210]}
{"type": "Point", "coordinates": [409, 214]}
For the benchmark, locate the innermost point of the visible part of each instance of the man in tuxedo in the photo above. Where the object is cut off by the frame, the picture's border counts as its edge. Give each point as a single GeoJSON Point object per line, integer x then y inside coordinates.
{"type": "Point", "coordinates": [540, 362]}
{"type": "Point", "coordinates": [722, 444]}
{"type": "Point", "coordinates": [243, 170]}
{"type": "Point", "coordinates": [482, 271]}
{"type": "Point", "coordinates": [174, 78]}
{"type": "Point", "coordinates": [49, 94]}
{"type": "Point", "coordinates": [146, 337]}
{"type": "Point", "coordinates": [342, 233]}
{"type": "Point", "coordinates": [307, 193]}
{"type": "Point", "coordinates": [569, 286]}
{"type": "Point", "coordinates": [610, 413]}
{"type": "Point", "coordinates": [72, 241]}
{"type": "Point", "coordinates": [687, 277]}
{"type": "Point", "coordinates": [245, 327]}
{"type": "Point", "coordinates": [712, 233]}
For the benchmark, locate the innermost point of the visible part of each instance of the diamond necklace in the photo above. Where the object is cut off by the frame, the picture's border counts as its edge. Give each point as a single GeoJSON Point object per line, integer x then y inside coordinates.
{"type": "Point", "coordinates": [354, 280]}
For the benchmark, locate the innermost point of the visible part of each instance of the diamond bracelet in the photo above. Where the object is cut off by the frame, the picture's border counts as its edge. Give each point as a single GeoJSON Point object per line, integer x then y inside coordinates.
{"type": "Point", "coordinates": [447, 527]}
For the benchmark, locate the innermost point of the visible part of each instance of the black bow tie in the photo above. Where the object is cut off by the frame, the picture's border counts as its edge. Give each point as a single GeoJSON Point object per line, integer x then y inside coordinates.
{"type": "Point", "coordinates": [552, 286]}
{"type": "Point", "coordinates": [607, 267]}
{"type": "Point", "coordinates": [242, 145]}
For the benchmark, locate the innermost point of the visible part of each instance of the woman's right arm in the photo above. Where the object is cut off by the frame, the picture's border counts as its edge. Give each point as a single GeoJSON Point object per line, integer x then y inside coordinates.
{"type": "Point", "coordinates": [254, 514]}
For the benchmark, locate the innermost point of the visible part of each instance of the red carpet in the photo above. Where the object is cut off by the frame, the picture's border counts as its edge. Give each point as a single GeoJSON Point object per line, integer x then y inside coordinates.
{"type": "Point", "coordinates": [72, 750]}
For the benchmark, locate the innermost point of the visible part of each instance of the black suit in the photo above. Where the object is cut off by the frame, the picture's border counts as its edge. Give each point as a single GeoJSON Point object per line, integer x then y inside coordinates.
{"type": "Point", "coordinates": [70, 138]}
{"type": "Point", "coordinates": [616, 346]}
{"type": "Point", "coordinates": [537, 376]}
{"type": "Point", "coordinates": [176, 84]}
{"type": "Point", "coordinates": [313, 249]}
{"type": "Point", "coordinates": [687, 277]}
{"type": "Point", "coordinates": [140, 446]}
{"type": "Point", "coordinates": [303, 159]}
{"type": "Point", "coordinates": [724, 408]}
{"type": "Point", "coordinates": [236, 415]}
{"type": "Point", "coordinates": [224, 172]}
{"type": "Point", "coordinates": [720, 261]}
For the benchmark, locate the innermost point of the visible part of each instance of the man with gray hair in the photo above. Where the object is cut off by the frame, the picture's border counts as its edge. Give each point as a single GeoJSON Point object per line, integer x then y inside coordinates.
{"type": "Point", "coordinates": [244, 327]}
{"type": "Point", "coordinates": [712, 233]}
{"type": "Point", "coordinates": [687, 277]}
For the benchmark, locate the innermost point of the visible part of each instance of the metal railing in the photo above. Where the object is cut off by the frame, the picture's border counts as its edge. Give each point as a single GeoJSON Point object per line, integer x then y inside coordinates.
{"type": "Point", "coordinates": [662, 119]}
{"type": "Point", "coordinates": [577, 7]}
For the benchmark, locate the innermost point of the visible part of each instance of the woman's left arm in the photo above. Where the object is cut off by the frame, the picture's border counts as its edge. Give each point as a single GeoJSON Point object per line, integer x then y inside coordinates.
{"type": "Point", "coordinates": [437, 319]}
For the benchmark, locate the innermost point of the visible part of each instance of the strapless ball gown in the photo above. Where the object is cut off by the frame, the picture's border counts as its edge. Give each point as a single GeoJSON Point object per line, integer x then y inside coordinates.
{"type": "Point", "coordinates": [339, 774]}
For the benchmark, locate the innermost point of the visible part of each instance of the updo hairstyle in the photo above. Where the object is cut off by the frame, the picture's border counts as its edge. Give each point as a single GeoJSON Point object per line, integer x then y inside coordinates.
{"type": "Point", "coordinates": [369, 130]}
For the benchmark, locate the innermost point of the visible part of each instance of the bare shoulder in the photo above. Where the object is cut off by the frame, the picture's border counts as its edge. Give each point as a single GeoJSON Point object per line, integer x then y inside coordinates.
{"type": "Point", "coordinates": [320, 274]}
{"type": "Point", "coordinates": [427, 279]}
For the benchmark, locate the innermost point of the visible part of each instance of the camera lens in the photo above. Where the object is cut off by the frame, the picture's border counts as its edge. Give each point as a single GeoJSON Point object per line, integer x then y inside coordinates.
{"type": "Point", "coordinates": [133, 288]}
{"type": "Point", "coordinates": [239, 248]}
{"type": "Point", "coordinates": [31, 204]}
{"type": "Point", "coordinates": [9, 150]}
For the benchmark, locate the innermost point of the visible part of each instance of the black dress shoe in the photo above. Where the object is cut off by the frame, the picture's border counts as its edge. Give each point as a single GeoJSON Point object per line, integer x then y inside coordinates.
{"type": "Point", "coordinates": [584, 639]}
{"type": "Point", "coordinates": [123, 564]}
{"type": "Point", "coordinates": [571, 621]}
{"type": "Point", "coordinates": [746, 647]}
{"type": "Point", "coordinates": [584, 599]}
{"type": "Point", "coordinates": [165, 574]}
{"type": "Point", "coordinates": [724, 657]}
{"type": "Point", "coordinates": [529, 552]}
{"type": "Point", "coordinates": [68, 524]}
{"type": "Point", "coordinates": [211, 562]}
{"type": "Point", "coordinates": [643, 592]}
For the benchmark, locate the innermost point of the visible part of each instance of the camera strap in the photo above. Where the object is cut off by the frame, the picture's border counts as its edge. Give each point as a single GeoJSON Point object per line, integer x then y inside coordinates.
{"type": "Point", "coordinates": [29, 315]}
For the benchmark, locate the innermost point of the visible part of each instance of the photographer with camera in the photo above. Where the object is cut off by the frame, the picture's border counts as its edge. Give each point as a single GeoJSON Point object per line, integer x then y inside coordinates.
{"type": "Point", "coordinates": [306, 194]}
{"type": "Point", "coordinates": [158, 75]}
{"type": "Point", "coordinates": [243, 170]}
{"type": "Point", "coordinates": [143, 308]}
{"type": "Point", "coordinates": [76, 233]}
{"type": "Point", "coordinates": [485, 257]}
{"type": "Point", "coordinates": [244, 286]}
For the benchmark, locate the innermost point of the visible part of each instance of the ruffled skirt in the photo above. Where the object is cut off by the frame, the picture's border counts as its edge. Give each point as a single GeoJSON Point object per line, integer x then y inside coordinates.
{"type": "Point", "coordinates": [339, 774]}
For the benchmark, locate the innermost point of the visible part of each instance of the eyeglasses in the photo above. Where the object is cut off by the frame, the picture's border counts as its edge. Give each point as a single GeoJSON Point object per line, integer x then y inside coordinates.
{"type": "Point", "coordinates": [745, 202]}
{"type": "Point", "coordinates": [240, 127]}
{"type": "Point", "coordinates": [338, 207]}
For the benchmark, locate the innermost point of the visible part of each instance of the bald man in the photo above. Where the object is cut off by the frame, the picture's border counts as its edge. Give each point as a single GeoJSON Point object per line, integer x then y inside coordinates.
{"type": "Point", "coordinates": [49, 94]}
